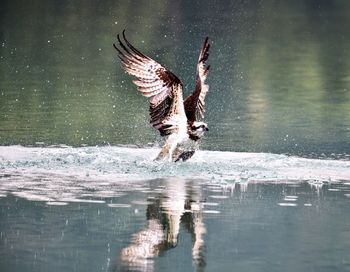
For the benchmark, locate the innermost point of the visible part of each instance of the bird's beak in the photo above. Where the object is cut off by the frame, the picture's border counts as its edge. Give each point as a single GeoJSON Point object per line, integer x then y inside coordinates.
{"type": "Point", "coordinates": [206, 129]}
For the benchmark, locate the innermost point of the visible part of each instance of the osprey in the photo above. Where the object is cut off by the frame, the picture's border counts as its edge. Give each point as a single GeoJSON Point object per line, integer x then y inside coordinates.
{"type": "Point", "coordinates": [170, 114]}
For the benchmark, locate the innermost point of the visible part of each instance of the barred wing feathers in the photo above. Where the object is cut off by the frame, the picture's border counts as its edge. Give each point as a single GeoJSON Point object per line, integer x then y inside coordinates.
{"type": "Point", "coordinates": [159, 85]}
{"type": "Point", "coordinates": [194, 104]}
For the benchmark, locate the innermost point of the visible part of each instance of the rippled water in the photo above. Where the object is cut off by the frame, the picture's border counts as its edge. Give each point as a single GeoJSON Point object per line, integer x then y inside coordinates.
{"type": "Point", "coordinates": [78, 188]}
{"type": "Point", "coordinates": [114, 209]}
{"type": "Point", "coordinates": [181, 224]}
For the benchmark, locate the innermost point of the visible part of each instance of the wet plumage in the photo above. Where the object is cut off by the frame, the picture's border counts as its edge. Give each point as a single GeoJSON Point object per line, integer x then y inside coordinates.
{"type": "Point", "coordinates": [170, 114]}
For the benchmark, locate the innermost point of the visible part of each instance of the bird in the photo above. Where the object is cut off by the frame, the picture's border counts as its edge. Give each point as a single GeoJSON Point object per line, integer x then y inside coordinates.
{"type": "Point", "coordinates": [176, 118]}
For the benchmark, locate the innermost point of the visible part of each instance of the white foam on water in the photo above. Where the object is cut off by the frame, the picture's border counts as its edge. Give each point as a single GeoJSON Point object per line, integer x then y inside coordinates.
{"type": "Point", "coordinates": [282, 204]}
{"type": "Point", "coordinates": [89, 174]}
{"type": "Point", "coordinates": [210, 204]}
{"type": "Point", "coordinates": [126, 163]}
{"type": "Point", "coordinates": [118, 205]}
{"type": "Point", "coordinates": [211, 211]}
{"type": "Point", "coordinates": [81, 200]}
{"type": "Point", "coordinates": [56, 203]}
{"type": "Point", "coordinates": [218, 196]}
{"type": "Point", "coordinates": [291, 196]}
{"type": "Point", "coordinates": [290, 199]}
{"type": "Point", "coordinates": [140, 202]}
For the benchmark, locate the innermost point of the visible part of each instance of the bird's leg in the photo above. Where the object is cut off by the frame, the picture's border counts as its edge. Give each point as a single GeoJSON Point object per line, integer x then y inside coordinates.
{"type": "Point", "coordinates": [164, 153]}
{"type": "Point", "coordinates": [168, 148]}
{"type": "Point", "coordinates": [185, 155]}
{"type": "Point", "coordinates": [177, 153]}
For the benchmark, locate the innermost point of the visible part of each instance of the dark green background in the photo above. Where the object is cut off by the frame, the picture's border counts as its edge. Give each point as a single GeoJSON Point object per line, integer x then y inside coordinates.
{"type": "Point", "coordinates": [279, 79]}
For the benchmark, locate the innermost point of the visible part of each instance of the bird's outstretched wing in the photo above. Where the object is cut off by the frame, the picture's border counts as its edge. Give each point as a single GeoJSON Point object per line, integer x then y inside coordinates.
{"type": "Point", "coordinates": [194, 104]}
{"type": "Point", "coordinates": [162, 87]}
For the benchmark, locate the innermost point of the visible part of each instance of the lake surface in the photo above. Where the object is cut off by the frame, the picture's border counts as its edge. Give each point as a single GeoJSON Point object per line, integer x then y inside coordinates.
{"type": "Point", "coordinates": [270, 188]}
{"type": "Point", "coordinates": [114, 209]}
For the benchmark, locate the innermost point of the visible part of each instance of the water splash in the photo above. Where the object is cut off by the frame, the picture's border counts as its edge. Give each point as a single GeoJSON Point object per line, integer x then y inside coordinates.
{"type": "Point", "coordinates": [92, 174]}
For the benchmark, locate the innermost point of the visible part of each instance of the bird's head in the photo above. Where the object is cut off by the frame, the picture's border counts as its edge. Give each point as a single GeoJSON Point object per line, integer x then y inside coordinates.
{"type": "Point", "coordinates": [198, 129]}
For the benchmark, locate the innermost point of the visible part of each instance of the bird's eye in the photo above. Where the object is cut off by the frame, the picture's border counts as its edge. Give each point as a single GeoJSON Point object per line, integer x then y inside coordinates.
{"type": "Point", "coordinates": [202, 126]}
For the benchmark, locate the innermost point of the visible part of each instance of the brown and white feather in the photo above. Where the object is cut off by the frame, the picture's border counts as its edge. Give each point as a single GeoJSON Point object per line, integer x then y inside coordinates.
{"type": "Point", "coordinates": [194, 104]}
{"type": "Point", "coordinates": [159, 85]}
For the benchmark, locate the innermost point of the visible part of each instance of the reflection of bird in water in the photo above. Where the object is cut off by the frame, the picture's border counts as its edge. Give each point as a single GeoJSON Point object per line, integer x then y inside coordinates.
{"type": "Point", "coordinates": [145, 245]}
{"type": "Point", "coordinates": [170, 113]}
{"type": "Point", "coordinates": [180, 203]}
